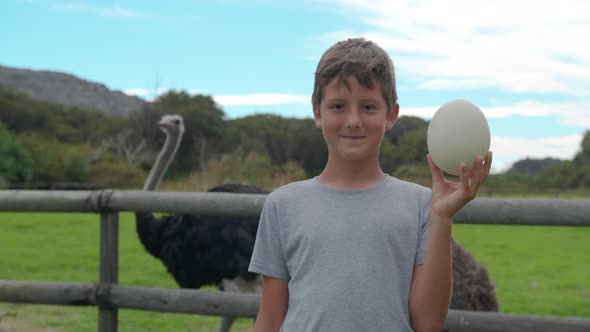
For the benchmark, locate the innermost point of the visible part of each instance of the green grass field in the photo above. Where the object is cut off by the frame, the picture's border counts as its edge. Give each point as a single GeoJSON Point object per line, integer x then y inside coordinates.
{"type": "Point", "coordinates": [537, 270]}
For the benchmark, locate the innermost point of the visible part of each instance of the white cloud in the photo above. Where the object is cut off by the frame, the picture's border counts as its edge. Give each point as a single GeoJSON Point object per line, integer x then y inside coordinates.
{"type": "Point", "coordinates": [115, 11]}
{"type": "Point", "coordinates": [510, 150]}
{"type": "Point", "coordinates": [253, 99]}
{"type": "Point", "coordinates": [570, 114]}
{"type": "Point", "coordinates": [564, 147]}
{"type": "Point", "coordinates": [147, 94]}
{"type": "Point", "coordinates": [137, 92]}
{"type": "Point", "coordinates": [111, 11]}
{"type": "Point", "coordinates": [520, 46]}
{"type": "Point", "coordinates": [197, 91]}
{"type": "Point", "coordinates": [261, 99]}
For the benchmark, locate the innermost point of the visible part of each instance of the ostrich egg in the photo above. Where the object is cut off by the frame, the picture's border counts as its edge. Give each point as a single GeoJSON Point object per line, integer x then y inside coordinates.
{"type": "Point", "coordinates": [458, 132]}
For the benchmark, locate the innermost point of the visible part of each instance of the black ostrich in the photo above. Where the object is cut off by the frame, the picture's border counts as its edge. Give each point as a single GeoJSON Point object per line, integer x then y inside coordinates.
{"type": "Point", "coordinates": [199, 250]}
{"type": "Point", "coordinates": [213, 250]}
{"type": "Point", "coordinates": [472, 288]}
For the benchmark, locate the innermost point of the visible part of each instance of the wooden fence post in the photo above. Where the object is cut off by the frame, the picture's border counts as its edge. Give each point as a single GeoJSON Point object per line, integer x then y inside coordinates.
{"type": "Point", "coordinates": [109, 270]}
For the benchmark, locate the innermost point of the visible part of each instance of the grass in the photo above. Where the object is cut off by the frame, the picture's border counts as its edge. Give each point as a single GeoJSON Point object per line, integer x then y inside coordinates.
{"type": "Point", "coordinates": [537, 270]}
{"type": "Point", "coordinates": [64, 247]}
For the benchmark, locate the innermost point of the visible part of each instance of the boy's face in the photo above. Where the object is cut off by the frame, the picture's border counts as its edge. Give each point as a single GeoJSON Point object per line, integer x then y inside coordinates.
{"type": "Point", "coordinates": [354, 120]}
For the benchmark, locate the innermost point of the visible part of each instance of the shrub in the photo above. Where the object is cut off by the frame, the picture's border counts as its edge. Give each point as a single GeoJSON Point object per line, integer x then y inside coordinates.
{"type": "Point", "coordinates": [16, 164]}
{"type": "Point", "coordinates": [115, 174]}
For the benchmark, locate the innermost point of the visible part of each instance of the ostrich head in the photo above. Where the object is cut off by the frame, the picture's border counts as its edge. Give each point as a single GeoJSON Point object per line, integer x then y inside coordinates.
{"type": "Point", "coordinates": [173, 127]}
{"type": "Point", "coordinates": [172, 124]}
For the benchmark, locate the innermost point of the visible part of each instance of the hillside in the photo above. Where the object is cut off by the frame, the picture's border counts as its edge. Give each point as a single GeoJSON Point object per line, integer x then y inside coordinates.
{"type": "Point", "coordinates": [69, 90]}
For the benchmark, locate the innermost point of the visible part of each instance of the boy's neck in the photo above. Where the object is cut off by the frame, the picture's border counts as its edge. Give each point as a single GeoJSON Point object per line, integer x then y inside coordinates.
{"type": "Point", "coordinates": [351, 175]}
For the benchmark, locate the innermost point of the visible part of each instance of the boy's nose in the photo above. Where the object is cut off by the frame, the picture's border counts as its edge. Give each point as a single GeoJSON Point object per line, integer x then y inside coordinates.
{"type": "Point", "coordinates": [352, 120]}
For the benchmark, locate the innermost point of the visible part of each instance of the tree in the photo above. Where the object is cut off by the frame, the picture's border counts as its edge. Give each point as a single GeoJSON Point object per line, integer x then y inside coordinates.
{"type": "Point", "coordinates": [48, 157]}
{"type": "Point", "coordinates": [404, 125]}
{"type": "Point", "coordinates": [204, 128]}
{"type": "Point", "coordinates": [583, 157]}
{"type": "Point", "coordinates": [533, 166]}
{"type": "Point", "coordinates": [19, 112]}
{"type": "Point", "coordinates": [283, 139]}
{"type": "Point", "coordinates": [311, 151]}
{"type": "Point", "coordinates": [16, 164]}
{"type": "Point", "coordinates": [410, 149]}
{"type": "Point", "coordinates": [76, 167]}
{"type": "Point", "coordinates": [71, 125]}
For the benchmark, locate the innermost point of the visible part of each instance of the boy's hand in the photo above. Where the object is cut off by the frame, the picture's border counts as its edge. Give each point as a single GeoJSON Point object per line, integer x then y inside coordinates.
{"type": "Point", "coordinates": [450, 197]}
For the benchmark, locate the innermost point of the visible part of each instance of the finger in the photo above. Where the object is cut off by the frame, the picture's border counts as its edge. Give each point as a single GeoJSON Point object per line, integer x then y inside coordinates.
{"type": "Point", "coordinates": [482, 168]}
{"type": "Point", "coordinates": [488, 164]}
{"type": "Point", "coordinates": [478, 174]}
{"type": "Point", "coordinates": [477, 167]}
{"type": "Point", "coordinates": [464, 177]}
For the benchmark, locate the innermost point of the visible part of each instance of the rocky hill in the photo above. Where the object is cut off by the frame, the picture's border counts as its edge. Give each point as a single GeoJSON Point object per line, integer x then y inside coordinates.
{"type": "Point", "coordinates": [69, 90]}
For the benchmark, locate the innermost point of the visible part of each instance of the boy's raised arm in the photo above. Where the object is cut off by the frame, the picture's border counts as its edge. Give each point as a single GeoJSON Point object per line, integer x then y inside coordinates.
{"type": "Point", "coordinates": [273, 306]}
{"type": "Point", "coordinates": [430, 292]}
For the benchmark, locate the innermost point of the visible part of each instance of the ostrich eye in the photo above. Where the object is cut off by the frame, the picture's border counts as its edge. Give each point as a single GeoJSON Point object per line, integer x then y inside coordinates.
{"type": "Point", "coordinates": [177, 122]}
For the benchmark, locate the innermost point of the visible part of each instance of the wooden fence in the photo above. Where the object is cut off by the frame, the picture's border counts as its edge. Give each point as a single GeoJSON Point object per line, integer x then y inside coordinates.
{"type": "Point", "coordinates": [109, 296]}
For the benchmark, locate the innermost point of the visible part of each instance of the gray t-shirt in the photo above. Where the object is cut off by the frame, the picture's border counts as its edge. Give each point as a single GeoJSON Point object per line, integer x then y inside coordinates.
{"type": "Point", "coordinates": [348, 254]}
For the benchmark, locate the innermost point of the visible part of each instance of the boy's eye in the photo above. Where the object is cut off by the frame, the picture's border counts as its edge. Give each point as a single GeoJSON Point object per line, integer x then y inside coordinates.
{"type": "Point", "coordinates": [337, 107]}
{"type": "Point", "coordinates": [370, 108]}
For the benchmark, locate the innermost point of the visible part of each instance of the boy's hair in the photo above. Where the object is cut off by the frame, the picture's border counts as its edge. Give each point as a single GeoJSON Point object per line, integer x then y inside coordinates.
{"type": "Point", "coordinates": [361, 58]}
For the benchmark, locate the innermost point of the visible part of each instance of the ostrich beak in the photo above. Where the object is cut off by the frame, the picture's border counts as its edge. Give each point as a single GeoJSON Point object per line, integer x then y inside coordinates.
{"type": "Point", "coordinates": [163, 123]}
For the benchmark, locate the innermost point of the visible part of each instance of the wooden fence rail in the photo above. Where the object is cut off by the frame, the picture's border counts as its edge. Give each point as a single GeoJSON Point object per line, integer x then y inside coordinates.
{"type": "Point", "coordinates": [172, 300]}
{"type": "Point", "coordinates": [509, 211]}
{"type": "Point", "coordinates": [109, 296]}
{"type": "Point", "coordinates": [191, 301]}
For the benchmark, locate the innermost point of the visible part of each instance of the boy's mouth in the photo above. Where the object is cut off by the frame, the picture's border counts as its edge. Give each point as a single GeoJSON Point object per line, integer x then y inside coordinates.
{"type": "Point", "coordinates": [352, 137]}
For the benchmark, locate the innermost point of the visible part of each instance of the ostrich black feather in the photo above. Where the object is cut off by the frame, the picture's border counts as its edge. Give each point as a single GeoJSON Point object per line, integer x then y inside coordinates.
{"type": "Point", "coordinates": [202, 250]}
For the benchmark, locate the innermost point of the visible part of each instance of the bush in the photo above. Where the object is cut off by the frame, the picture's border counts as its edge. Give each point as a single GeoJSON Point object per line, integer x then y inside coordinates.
{"type": "Point", "coordinates": [76, 168]}
{"type": "Point", "coordinates": [16, 164]}
{"type": "Point", "coordinates": [417, 173]}
{"type": "Point", "coordinates": [115, 174]}
{"type": "Point", "coordinates": [48, 157]}
{"type": "Point", "coordinates": [254, 169]}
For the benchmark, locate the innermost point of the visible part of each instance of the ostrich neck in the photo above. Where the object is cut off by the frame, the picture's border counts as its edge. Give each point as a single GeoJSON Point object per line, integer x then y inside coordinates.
{"type": "Point", "coordinates": [164, 159]}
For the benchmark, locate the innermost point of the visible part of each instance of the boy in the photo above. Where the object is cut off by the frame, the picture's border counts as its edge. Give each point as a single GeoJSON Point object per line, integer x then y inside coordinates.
{"type": "Point", "coordinates": [354, 249]}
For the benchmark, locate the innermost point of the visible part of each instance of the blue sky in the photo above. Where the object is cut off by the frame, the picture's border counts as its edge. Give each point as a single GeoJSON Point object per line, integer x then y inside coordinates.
{"type": "Point", "coordinates": [525, 63]}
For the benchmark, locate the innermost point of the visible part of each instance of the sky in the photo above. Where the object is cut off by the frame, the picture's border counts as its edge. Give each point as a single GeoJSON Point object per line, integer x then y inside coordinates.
{"type": "Point", "coordinates": [524, 63]}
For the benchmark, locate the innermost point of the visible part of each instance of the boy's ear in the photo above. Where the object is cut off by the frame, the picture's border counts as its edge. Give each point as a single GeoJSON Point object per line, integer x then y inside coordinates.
{"type": "Point", "coordinates": [392, 116]}
{"type": "Point", "coordinates": [317, 116]}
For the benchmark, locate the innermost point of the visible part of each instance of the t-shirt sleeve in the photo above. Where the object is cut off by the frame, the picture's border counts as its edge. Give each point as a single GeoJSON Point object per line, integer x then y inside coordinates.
{"type": "Point", "coordinates": [268, 256]}
{"type": "Point", "coordinates": [424, 230]}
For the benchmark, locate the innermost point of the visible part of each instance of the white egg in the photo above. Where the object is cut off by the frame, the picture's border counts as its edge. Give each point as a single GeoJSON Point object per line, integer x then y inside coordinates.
{"type": "Point", "coordinates": [458, 132]}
